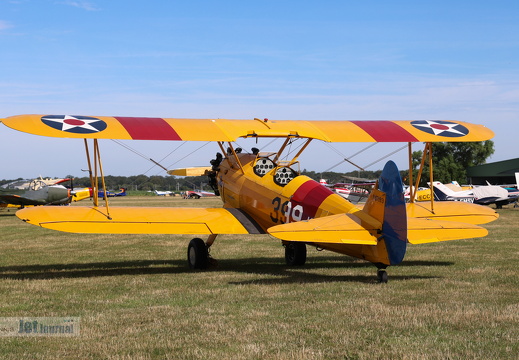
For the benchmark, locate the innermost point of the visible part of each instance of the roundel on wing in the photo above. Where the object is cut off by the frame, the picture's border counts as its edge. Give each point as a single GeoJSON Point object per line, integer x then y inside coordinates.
{"type": "Point", "coordinates": [441, 128]}
{"type": "Point", "coordinates": [74, 124]}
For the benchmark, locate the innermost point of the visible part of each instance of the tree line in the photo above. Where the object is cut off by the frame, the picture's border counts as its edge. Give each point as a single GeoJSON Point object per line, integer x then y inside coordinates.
{"type": "Point", "coordinates": [450, 161]}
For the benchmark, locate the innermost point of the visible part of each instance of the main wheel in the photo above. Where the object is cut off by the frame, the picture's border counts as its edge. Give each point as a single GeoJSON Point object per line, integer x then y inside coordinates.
{"type": "Point", "coordinates": [295, 253]}
{"type": "Point", "coordinates": [197, 254]}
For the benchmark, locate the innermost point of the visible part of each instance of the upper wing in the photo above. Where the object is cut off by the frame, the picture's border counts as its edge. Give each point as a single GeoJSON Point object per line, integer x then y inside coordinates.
{"type": "Point", "coordinates": [138, 128]}
{"type": "Point", "coordinates": [141, 220]}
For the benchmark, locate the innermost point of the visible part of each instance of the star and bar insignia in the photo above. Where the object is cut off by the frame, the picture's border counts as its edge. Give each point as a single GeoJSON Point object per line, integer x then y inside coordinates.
{"type": "Point", "coordinates": [441, 128]}
{"type": "Point", "coordinates": [74, 124]}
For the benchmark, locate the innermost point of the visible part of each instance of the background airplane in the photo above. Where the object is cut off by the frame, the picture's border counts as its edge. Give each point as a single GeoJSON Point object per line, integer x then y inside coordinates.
{"type": "Point", "coordinates": [354, 192]}
{"type": "Point", "coordinates": [483, 194]}
{"type": "Point", "coordinates": [197, 194]}
{"type": "Point", "coordinates": [41, 191]}
{"type": "Point", "coordinates": [162, 193]}
{"type": "Point", "coordinates": [39, 194]}
{"type": "Point", "coordinates": [33, 184]}
{"type": "Point", "coordinates": [122, 192]}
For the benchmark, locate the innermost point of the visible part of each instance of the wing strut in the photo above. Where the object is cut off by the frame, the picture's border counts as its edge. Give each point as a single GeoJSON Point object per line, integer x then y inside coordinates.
{"type": "Point", "coordinates": [94, 181]}
{"type": "Point", "coordinates": [426, 152]}
{"type": "Point", "coordinates": [412, 190]}
{"type": "Point", "coordinates": [233, 152]}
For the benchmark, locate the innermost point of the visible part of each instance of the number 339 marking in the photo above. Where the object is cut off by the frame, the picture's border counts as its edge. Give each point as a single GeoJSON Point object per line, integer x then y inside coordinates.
{"type": "Point", "coordinates": [284, 212]}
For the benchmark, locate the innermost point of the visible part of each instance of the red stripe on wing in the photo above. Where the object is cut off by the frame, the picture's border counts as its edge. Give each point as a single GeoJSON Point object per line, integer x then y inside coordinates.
{"type": "Point", "coordinates": [385, 131]}
{"type": "Point", "coordinates": [148, 128]}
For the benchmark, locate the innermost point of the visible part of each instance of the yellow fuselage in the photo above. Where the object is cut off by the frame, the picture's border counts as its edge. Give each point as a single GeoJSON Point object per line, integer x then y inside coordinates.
{"type": "Point", "coordinates": [301, 198]}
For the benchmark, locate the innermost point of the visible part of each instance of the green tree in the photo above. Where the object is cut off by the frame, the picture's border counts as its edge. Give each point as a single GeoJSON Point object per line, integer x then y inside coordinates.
{"type": "Point", "coordinates": [451, 160]}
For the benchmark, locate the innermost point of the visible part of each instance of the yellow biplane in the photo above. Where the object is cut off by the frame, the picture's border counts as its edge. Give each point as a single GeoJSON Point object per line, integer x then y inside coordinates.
{"type": "Point", "coordinates": [263, 194]}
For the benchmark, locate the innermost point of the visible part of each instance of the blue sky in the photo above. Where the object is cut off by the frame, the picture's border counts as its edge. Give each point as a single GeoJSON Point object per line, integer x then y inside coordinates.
{"type": "Point", "coordinates": [330, 60]}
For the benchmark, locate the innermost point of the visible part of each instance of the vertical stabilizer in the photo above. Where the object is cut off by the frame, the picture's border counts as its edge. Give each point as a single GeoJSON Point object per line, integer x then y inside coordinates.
{"type": "Point", "coordinates": [442, 192]}
{"type": "Point", "coordinates": [387, 204]}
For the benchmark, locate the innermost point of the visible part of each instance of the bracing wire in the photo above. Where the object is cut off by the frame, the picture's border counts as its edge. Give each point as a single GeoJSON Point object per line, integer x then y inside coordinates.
{"type": "Point", "coordinates": [165, 157]}
{"type": "Point", "coordinates": [130, 148]}
{"type": "Point", "coordinates": [386, 156]}
{"type": "Point", "coordinates": [157, 163]}
{"type": "Point", "coordinates": [191, 153]}
{"type": "Point", "coordinates": [348, 159]}
{"type": "Point", "coordinates": [290, 150]}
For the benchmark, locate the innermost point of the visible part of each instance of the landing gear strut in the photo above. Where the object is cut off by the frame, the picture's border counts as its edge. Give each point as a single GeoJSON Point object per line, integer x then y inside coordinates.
{"type": "Point", "coordinates": [295, 253]}
{"type": "Point", "coordinates": [198, 253]}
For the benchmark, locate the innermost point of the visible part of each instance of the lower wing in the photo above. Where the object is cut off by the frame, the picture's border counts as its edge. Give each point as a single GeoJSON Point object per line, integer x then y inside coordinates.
{"type": "Point", "coordinates": [141, 220]}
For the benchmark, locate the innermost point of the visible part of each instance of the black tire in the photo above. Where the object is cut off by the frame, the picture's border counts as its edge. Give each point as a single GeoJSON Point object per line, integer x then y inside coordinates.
{"type": "Point", "coordinates": [197, 254]}
{"type": "Point", "coordinates": [295, 253]}
{"type": "Point", "coordinates": [382, 276]}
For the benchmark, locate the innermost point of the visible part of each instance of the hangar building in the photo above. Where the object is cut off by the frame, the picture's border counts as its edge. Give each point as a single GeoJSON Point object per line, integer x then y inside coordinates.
{"type": "Point", "coordinates": [496, 173]}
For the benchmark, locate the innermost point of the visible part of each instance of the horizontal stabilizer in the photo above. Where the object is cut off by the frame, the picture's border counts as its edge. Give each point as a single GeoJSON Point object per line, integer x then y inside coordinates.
{"type": "Point", "coordinates": [140, 220]}
{"type": "Point", "coordinates": [342, 229]}
{"type": "Point", "coordinates": [346, 229]}
{"type": "Point", "coordinates": [192, 171]}
{"type": "Point", "coordinates": [422, 231]}
{"type": "Point", "coordinates": [458, 211]}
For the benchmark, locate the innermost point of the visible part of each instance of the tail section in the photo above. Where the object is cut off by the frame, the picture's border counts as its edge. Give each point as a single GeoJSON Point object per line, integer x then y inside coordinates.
{"type": "Point", "coordinates": [379, 233]}
{"type": "Point", "coordinates": [441, 192]}
{"type": "Point", "coordinates": [386, 203]}
{"type": "Point", "coordinates": [381, 224]}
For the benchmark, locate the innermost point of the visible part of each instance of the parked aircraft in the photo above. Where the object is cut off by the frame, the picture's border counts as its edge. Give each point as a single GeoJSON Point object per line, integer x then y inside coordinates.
{"type": "Point", "coordinates": [163, 193]}
{"type": "Point", "coordinates": [483, 195]}
{"type": "Point", "coordinates": [197, 194]}
{"type": "Point", "coordinates": [33, 184]}
{"type": "Point", "coordinates": [263, 194]}
{"type": "Point", "coordinates": [122, 192]}
{"type": "Point", "coordinates": [354, 192]}
{"type": "Point", "coordinates": [39, 193]}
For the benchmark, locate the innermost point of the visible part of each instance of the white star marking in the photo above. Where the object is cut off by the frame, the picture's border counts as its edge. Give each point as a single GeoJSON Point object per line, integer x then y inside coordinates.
{"type": "Point", "coordinates": [71, 122]}
{"type": "Point", "coordinates": [440, 128]}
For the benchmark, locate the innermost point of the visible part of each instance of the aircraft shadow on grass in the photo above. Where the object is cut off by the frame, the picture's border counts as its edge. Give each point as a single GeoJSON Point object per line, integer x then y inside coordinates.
{"type": "Point", "coordinates": [261, 266]}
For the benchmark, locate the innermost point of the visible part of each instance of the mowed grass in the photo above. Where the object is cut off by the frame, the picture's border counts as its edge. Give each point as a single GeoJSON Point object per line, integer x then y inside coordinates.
{"type": "Point", "coordinates": [137, 299]}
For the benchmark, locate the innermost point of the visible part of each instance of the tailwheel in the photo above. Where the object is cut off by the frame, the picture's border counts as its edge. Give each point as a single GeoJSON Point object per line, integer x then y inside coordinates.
{"type": "Point", "coordinates": [295, 253]}
{"type": "Point", "coordinates": [382, 276]}
{"type": "Point", "coordinates": [197, 254]}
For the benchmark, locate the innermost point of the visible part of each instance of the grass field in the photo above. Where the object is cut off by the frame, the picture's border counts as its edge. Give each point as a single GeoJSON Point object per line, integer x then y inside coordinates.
{"type": "Point", "coordinates": [137, 299]}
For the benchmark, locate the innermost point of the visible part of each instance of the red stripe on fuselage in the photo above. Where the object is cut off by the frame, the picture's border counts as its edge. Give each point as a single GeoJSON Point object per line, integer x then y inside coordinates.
{"type": "Point", "coordinates": [385, 131]}
{"type": "Point", "coordinates": [148, 128]}
{"type": "Point", "coordinates": [310, 196]}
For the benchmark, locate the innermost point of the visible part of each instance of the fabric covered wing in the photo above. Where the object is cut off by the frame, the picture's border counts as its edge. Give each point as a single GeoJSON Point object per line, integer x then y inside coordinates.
{"type": "Point", "coordinates": [348, 229]}
{"type": "Point", "coordinates": [140, 220]}
{"type": "Point", "coordinates": [139, 128]}
{"type": "Point", "coordinates": [421, 231]}
{"type": "Point", "coordinates": [458, 211]}
{"type": "Point", "coordinates": [338, 229]}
